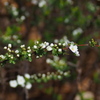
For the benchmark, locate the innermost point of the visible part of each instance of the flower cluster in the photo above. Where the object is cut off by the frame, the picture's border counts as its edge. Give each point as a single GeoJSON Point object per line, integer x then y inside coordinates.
{"type": "Point", "coordinates": [14, 11]}
{"type": "Point", "coordinates": [21, 81]}
{"type": "Point", "coordinates": [71, 45]}
{"type": "Point", "coordinates": [27, 80]}
{"type": "Point", "coordinates": [38, 49]}
{"type": "Point", "coordinates": [57, 63]}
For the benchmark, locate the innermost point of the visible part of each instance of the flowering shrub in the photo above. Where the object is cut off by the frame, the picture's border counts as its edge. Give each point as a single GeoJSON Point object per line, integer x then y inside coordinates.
{"type": "Point", "coordinates": [32, 50]}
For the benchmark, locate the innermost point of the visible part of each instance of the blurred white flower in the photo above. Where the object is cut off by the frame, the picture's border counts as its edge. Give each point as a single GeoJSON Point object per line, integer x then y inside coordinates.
{"type": "Point", "coordinates": [34, 2]}
{"type": "Point", "coordinates": [28, 85]}
{"type": "Point", "coordinates": [49, 48]}
{"type": "Point", "coordinates": [48, 60]}
{"type": "Point", "coordinates": [60, 50]}
{"type": "Point", "coordinates": [20, 80]}
{"type": "Point", "coordinates": [13, 83]}
{"type": "Point", "coordinates": [16, 51]}
{"type": "Point", "coordinates": [77, 31]}
{"type": "Point", "coordinates": [9, 45]}
{"type": "Point", "coordinates": [22, 18]}
{"type": "Point", "coordinates": [27, 75]}
{"type": "Point", "coordinates": [35, 47]}
{"type": "Point", "coordinates": [42, 3]}
{"type": "Point", "coordinates": [2, 56]}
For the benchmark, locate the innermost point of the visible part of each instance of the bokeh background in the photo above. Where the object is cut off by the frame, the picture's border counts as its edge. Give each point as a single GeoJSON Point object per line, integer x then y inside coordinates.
{"type": "Point", "coordinates": [51, 20]}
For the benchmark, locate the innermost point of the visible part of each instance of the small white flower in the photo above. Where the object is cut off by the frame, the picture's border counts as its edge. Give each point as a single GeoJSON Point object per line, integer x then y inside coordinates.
{"type": "Point", "coordinates": [43, 75]}
{"type": "Point", "coordinates": [73, 48]}
{"type": "Point", "coordinates": [37, 56]}
{"type": "Point", "coordinates": [22, 46]}
{"type": "Point", "coordinates": [49, 48]}
{"type": "Point", "coordinates": [18, 55]}
{"type": "Point", "coordinates": [29, 50]}
{"type": "Point", "coordinates": [27, 75]}
{"type": "Point", "coordinates": [20, 80]}
{"type": "Point", "coordinates": [51, 44]}
{"type": "Point", "coordinates": [28, 47]}
{"type": "Point", "coordinates": [18, 41]}
{"type": "Point", "coordinates": [42, 3]}
{"type": "Point", "coordinates": [48, 60]}
{"type": "Point", "coordinates": [60, 50]}
{"type": "Point", "coordinates": [9, 49]}
{"type": "Point", "coordinates": [2, 56]}
{"type": "Point", "coordinates": [22, 18]}
{"type": "Point", "coordinates": [46, 43]}
{"type": "Point", "coordinates": [12, 57]}
{"type": "Point", "coordinates": [9, 45]}
{"type": "Point", "coordinates": [15, 36]}
{"type": "Point", "coordinates": [59, 43]}
{"type": "Point", "coordinates": [15, 13]}
{"type": "Point", "coordinates": [77, 31]}
{"type": "Point", "coordinates": [16, 51]}
{"type": "Point", "coordinates": [34, 2]}
{"type": "Point", "coordinates": [13, 83]}
{"type": "Point", "coordinates": [5, 47]}
{"type": "Point", "coordinates": [43, 45]}
{"type": "Point", "coordinates": [13, 8]}
{"type": "Point", "coordinates": [56, 41]}
{"type": "Point", "coordinates": [29, 55]}
{"type": "Point", "coordinates": [35, 47]}
{"type": "Point", "coordinates": [28, 85]}
{"type": "Point", "coordinates": [59, 76]}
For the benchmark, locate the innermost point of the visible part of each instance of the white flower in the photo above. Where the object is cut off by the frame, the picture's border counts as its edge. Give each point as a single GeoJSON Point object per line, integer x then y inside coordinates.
{"type": "Point", "coordinates": [77, 31]}
{"type": "Point", "coordinates": [46, 43]}
{"type": "Point", "coordinates": [73, 48]}
{"type": "Point", "coordinates": [49, 48]}
{"type": "Point", "coordinates": [27, 75]}
{"type": "Point", "coordinates": [42, 3]}
{"type": "Point", "coordinates": [51, 44]}
{"type": "Point", "coordinates": [60, 50]}
{"type": "Point", "coordinates": [13, 83]}
{"type": "Point", "coordinates": [16, 51]}
{"type": "Point", "coordinates": [48, 60]}
{"type": "Point", "coordinates": [15, 36]}
{"type": "Point", "coordinates": [35, 47]}
{"type": "Point", "coordinates": [9, 45]}
{"type": "Point", "coordinates": [34, 2]}
{"type": "Point", "coordinates": [37, 56]}
{"type": "Point", "coordinates": [56, 41]}
{"type": "Point", "coordinates": [15, 13]}
{"type": "Point", "coordinates": [28, 47]}
{"type": "Point", "coordinates": [43, 45]}
{"type": "Point", "coordinates": [20, 80]}
{"type": "Point", "coordinates": [5, 47]}
{"type": "Point", "coordinates": [18, 41]}
{"type": "Point", "coordinates": [28, 85]}
{"type": "Point", "coordinates": [29, 50]}
{"type": "Point", "coordinates": [18, 55]}
{"type": "Point", "coordinates": [29, 55]}
{"type": "Point", "coordinates": [9, 49]}
{"type": "Point", "coordinates": [12, 57]}
{"type": "Point", "coordinates": [22, 46]}
{"type": "Point", "coordinates": [22, 18]}
{"type": "Point", "coordinates": [2, 56]}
